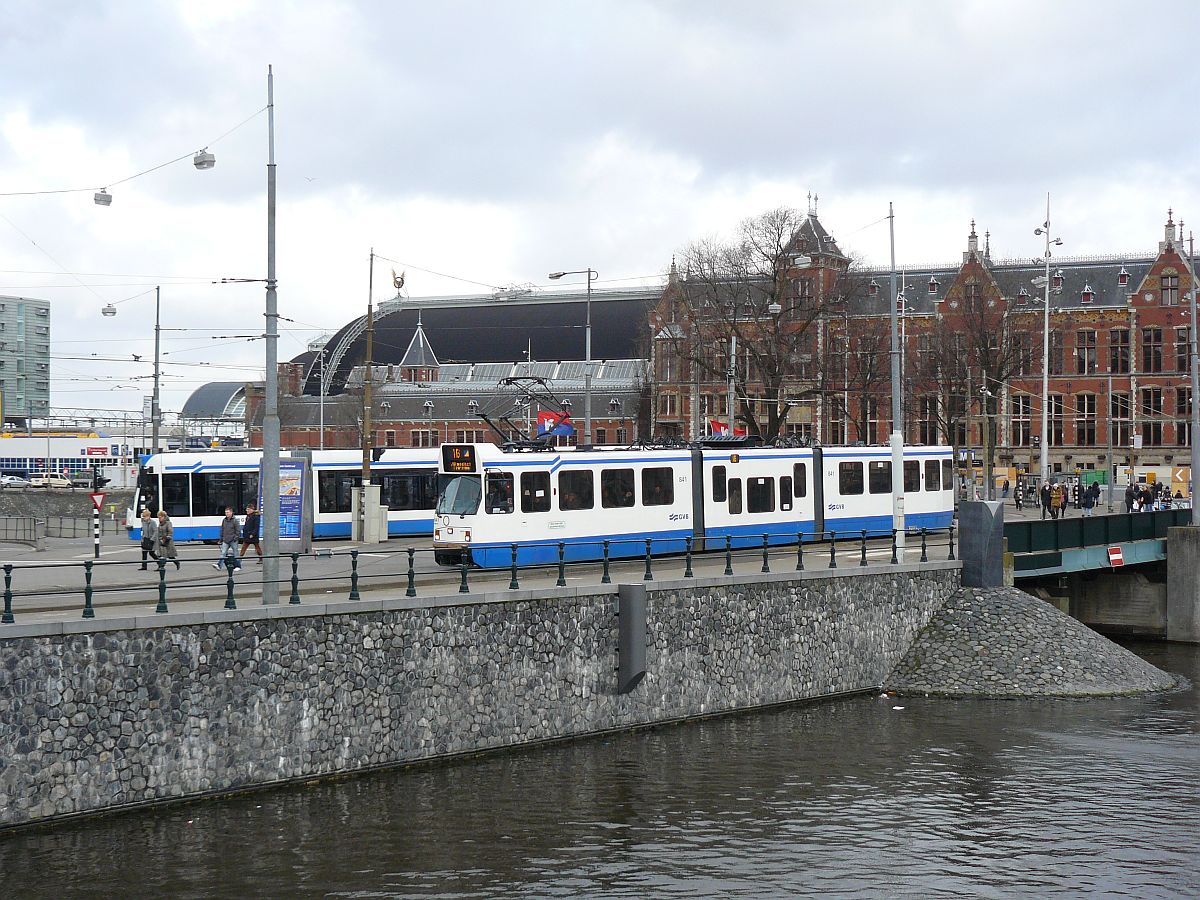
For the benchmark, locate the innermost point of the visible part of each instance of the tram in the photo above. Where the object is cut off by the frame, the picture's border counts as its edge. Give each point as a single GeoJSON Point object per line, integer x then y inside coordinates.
{"type": "Point", "coordinates": [490, 499]}
{"type": "Point", "coordinates": [196, 486]}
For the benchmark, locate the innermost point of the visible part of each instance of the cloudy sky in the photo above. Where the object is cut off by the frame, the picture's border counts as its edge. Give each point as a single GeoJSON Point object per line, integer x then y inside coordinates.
{"type": "Point", "coordinates": [498, 141]}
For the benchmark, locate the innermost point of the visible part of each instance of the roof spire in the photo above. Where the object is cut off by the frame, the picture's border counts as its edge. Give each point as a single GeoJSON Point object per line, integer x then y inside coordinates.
{"type": "Point", "coordinates": [987, 244]}
{"type": "Point", "coordinates": [810, 203]}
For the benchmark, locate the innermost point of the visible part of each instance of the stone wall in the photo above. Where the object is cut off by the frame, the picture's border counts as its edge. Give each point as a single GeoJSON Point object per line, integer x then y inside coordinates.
{"type": "Point", "coordinates": [103, 714]}
{"type": "Point", "coordinates": [1001, 642]}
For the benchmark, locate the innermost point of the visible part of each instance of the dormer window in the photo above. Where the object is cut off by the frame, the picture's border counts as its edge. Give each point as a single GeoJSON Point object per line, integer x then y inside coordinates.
{"type": "Point", "coordinates": [933, 285]}
{"type": "Point", "coordinates": [1022, 296]}
{"type": "Point", "coordinates": [1123, 277]}
{"type": "Point", "coordinates": [873, 287]}
{"type": "Point", "coordinates": [1056, 282]}
{"type": "Point", "coordinates": [1087, 295]}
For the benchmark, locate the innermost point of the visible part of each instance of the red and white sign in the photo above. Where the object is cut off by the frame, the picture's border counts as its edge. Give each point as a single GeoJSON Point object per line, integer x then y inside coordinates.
{"type": "Point", "coordinates": [98, 500]}
{"type": "Point", "coordinates": [97, 451]}
{"type": "Point", "coordinates": [1115, 557]}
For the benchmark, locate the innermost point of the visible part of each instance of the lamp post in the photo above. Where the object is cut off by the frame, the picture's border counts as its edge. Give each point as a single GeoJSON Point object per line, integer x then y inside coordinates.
{"type": "Point", "coordinates": [428, 405]}
{"type": "Point", "coordinates": [1045, 449]}
{"type": "Point", "coordinates": [321, 400]}
{"type": "Point", "coordinates": [587, 351]}
{"type": "Point", "coordinates": [1195, 361]}
{"type": "Point", "coordinates": [109, 311]}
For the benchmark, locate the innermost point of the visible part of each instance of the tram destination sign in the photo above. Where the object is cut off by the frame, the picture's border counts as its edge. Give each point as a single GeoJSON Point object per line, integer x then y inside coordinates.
{"type": "Point", "coordinates": [458, 459]}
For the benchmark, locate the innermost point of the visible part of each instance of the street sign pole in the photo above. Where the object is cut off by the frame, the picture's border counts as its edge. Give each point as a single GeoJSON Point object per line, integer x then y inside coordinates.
{"type": "Point", "coordinates": [97, 502]}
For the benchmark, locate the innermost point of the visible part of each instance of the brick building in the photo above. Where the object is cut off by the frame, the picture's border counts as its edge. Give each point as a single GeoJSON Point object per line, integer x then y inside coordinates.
{"type": "Point", "coordinates": [971, 357]}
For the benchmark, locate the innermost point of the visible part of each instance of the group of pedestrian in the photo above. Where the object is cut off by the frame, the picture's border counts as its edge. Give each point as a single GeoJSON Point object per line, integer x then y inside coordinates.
{"type": "Point", "coordinates": [1053, 499]}
{"type": "Point", "coordinates": [158, 537]}
{"type": "Point", "coordinates": [1145, 497]}
{"type": "Point", "coordinates": [231, 531]}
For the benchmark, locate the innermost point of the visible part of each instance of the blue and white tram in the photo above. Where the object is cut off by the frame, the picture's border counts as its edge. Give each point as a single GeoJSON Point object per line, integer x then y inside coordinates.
{"type": "Point", "coordinates": [195, 487]}
{"type": "Point", "coordinates": [490, 499]}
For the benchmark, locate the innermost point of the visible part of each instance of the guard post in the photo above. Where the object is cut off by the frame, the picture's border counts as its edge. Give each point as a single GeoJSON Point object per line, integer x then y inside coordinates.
{"type": "Point", "coordinates": [97, 503]}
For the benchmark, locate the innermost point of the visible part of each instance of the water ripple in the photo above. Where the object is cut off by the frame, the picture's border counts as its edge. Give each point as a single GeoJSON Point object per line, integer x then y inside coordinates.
{"type": "Point", "coordinates": [852, 798]}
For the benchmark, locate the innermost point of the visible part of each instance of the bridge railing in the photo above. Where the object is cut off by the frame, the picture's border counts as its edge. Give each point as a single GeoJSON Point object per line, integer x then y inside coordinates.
{"type": "Point", "coordinates": [1078, 532]}
{"type": "Point", "coordinates": [408, 569]}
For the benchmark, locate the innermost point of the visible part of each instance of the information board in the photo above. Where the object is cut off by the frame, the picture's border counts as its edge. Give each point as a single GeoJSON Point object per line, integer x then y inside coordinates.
{"type": "Point", "coordinates": [458, 459]}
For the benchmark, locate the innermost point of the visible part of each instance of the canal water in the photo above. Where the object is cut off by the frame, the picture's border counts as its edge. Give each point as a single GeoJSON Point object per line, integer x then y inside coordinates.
{"type": "Point", "coordinates": [868, 796]}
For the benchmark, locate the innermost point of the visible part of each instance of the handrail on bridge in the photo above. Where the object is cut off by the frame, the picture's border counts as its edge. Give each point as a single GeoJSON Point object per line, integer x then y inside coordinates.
{"type": "Point", "coordinates": [1079, 532]}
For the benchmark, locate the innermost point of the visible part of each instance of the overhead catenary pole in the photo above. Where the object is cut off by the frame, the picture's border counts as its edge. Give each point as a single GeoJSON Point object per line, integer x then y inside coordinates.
{"type": "Point", "coordinates": [1195, 435]}
{"type": "Point", "coordinates": [270, 479]}
{"type": "Point", "coordinates": [732, 373]}
{"type": "Point", "coordinates": [897, 423]}
{"type": "Point", "coordinates": [366, 408]}
{"type": "Point", "coordinates": [155, 408]}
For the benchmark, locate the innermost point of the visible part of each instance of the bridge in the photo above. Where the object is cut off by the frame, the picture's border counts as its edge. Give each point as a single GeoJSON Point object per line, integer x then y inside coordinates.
{"type": "Point", "coordinates": [1078, 544]}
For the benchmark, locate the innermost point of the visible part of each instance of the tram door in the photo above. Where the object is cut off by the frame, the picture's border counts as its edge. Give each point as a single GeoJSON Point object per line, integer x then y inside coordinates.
{"type": "Point", "coordinates": [698, 489]}
{"type": "Point", "coordinates": [818, 493]}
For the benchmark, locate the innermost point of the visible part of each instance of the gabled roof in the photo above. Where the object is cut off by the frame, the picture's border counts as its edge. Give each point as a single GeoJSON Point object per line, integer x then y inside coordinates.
{"type": "Point", "coordinates": [812, 238]}
{"type": "Point", "coordinates": [419, 354]}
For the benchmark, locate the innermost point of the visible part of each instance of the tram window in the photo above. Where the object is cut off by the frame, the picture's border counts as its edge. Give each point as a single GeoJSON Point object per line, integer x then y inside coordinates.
{"type": "Point", "coordinates": [947, 474]}
{"type": "Point", "coordinates": [213, 491]}
{"type": "Point", "coordinates": [850, 478]}
{"type": "Point", "coordinates": [718, 482]}
{"type": "Point", "coordinates": [575, 490]}
{"type": "Point", "coordinates": [535, 492]}
{"type": "Point", "coordinates": [334, 490]}
{"type": "Point", "coordinates": [499, 493]}
{"type": "Point", "coordinates": [658, 487]}
{"type": "Point", "coordinates": [616, 488]}
{"type": "Point", "coordinates": [176, 497]}
{"type": "Point", "coordinates": [932, 482]}
{"type": "Point", "coordinates": [249, 492]}
{"type": "Point", "coordinates": [800, 478]}
{"type": "Point", "coordinates": [404, 491]}
{"type": "Point", "coordinates": [735, 496]}
{"type": "Point", "coordinates": [912, 476]}
{"type": "Point", "coordinates": [760, 495]}
{"type": "Point", "coordinates": [785, 492]}
{"type": "Point", "coordinates": [880, 480]}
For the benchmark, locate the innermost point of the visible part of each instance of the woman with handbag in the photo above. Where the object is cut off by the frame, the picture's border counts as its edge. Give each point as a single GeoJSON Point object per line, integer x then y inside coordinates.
{"type": "Point", "coordinates": [166, 538]}
{"type": "Point", "coordinates": [149, 538]}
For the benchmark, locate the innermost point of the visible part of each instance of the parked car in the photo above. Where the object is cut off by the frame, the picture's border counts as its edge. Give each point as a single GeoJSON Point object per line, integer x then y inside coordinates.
{"type": "Point", "coordinates": [49, 479]}
{"type": "Point", "coordinates": [14, 481]}
{"type": "Point", "coordinates": [82, 479]}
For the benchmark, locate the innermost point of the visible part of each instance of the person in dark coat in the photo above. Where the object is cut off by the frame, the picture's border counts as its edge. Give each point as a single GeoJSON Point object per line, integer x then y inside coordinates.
{"type": "Point", "coordinates": [166, 538]}
{"type": "Point", "coordinates": [1087, 500]}
{"type": "Point", "coordinates": [1045, 495]}
{"type": "Point", "coordinates": [1130, 498]}
{"type": "Point", "coordinates": [250, 532]}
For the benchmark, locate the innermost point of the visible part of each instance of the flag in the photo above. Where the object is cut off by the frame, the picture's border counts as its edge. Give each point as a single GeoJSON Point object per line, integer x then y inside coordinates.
{"type": "Point", "coordinates": [721, 429]}
{"type": "Point", "coordinates": [554, 423]}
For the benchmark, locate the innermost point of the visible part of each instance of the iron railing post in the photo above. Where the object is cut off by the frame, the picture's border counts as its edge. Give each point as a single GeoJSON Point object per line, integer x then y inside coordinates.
{"type": "Point", "coordinates": [649, 576]}
{"type": "Point", "coordinates": [687, 568]}
{"type": "Point", "coordinates": [863, 560]}
{"type": "Point", "coordinates": [606, 578]}
{"type": "Point", "coordinates": [766, 566]}
{"type": "Point", "coordinates": [229, 602]}
{"type": "Point", "coordinates": [463, 565]}
{"type": "Point", "coordinates": [924, 555]}
{"type": "Point", "coordinates": [513, 584]}
{"type": "Point", "coordinates": [88, 611]}
{"type": "Point", "coordinates": [562, 565]}
{"type": "Point", "coordinates": [295, 598]}
{"type": "Point", "coordinates": [728, 554]}
{"type": "Point", "coordinates": [833, 549]}
{"type": "Point", "coordinates": [895, 558]}
{"type": "Point", "coordinates": [951, 556]}
{"type": "Point", "coordinates": [411, 589]}
{"type": "Point", "coordinates": [799, 551]}
{"type": "Point", "coordinates": [162, 586]}
{"type": "Point", "coordinates": [7, 618]}
{"type": "Point", "coordinates": [354, 575]}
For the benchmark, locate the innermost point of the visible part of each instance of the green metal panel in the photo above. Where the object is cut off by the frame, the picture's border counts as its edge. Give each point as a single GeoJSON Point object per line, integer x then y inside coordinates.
{"type": "Point", "coordinates": [1077, 544]}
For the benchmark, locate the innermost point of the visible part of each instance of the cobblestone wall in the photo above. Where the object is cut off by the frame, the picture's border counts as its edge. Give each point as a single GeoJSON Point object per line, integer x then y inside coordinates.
{"type": "Point", "coordinates": [1001, 642]}
{"type": "Point", "coordinates": [102, 719]}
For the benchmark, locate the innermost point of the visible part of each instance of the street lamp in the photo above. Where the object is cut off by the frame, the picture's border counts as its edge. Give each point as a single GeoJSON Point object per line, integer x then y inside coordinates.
{"type": "Point", "coordinates": [429, 422]}
{"type": "Point", "coordinates": [1045, 448]}
{"type": "Point", "coordinates": [587, 371]}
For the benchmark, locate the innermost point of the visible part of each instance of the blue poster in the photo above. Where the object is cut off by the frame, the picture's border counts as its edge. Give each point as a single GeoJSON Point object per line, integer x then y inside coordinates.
{"type": "Point", "coordinates": [291, 498]}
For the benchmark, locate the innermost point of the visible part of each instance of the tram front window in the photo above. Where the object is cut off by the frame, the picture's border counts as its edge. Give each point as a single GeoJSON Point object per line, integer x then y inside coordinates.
{"type": "Point", "coordinates": [459, 495]}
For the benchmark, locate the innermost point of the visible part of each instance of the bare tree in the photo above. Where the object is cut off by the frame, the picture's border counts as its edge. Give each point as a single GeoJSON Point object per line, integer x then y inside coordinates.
{"type": "Point", "coordinates": [766, 288]}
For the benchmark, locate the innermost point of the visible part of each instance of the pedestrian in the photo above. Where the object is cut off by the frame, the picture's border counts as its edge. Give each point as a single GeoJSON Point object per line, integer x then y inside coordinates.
{"type": "Point", "coordinates": [1045, 498]}
{"type": "Point", "coordinates": [149, 537]}
{"type": "Point", "coordinates": [231, 528]}
{"type": "Point", "coordinates": [1087, 500]}
{"type": "Point", "coordinates": [1130, 498]}
{"type": "Point", "coordinates": [1018, 496]}
{"type": "Point", "coordinates": [1056, 501]}
{"type": "Point", "coordinates": [250, 533]}
{"type": "Point", "coordinates": [166, 538]}
{"type": "Point", "coordinates": [1004, 492]}
{"type": "Point", "coordinates": [1166, 500]}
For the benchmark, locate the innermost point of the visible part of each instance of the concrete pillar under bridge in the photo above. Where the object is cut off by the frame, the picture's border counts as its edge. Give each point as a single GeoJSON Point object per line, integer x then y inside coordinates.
{"type": "Point", "coordinates": [1151, 600]}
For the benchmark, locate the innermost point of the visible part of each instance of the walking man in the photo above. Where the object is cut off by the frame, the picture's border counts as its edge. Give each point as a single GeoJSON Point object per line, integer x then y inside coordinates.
{"type": "Point", "coordinates": [250, 533]}
{"type": "Point", "coordinates": [230, 530]}
{"type": "Point", "coordinates": [1045, 498]}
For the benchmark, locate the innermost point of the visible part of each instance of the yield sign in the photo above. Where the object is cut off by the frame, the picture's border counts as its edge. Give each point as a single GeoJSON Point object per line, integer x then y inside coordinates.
{"type": "Point", "coordinates": [1115, 557]}
{"type": "Point", "coordinates": [97, 500]}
